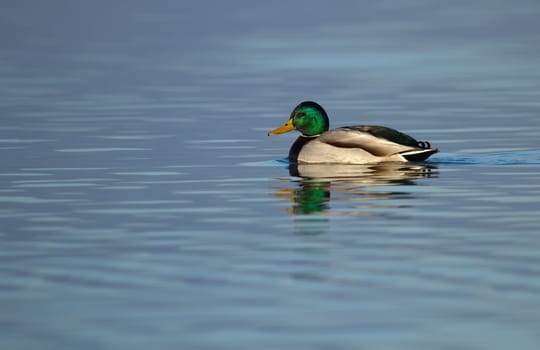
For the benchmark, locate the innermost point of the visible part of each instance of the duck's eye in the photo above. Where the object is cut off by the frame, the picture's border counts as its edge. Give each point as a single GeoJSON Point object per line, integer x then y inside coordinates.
{"type": "Point", "coordinates": [300, 114]}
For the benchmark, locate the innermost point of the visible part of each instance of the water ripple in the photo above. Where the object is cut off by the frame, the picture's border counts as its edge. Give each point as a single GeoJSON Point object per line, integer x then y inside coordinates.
{"type": "Point", "coordinates": [102, 149]}
{"type": "Point", "coordinates": [514, 158]}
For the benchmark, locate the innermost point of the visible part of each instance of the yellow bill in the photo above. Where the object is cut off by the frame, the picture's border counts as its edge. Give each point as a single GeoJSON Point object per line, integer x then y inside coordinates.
{"type": "Point", "coordinates": [288, 126]}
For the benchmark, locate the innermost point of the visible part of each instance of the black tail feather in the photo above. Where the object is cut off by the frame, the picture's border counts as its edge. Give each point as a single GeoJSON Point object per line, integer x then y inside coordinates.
{"type": "Point", "coordinates": [419, 155]}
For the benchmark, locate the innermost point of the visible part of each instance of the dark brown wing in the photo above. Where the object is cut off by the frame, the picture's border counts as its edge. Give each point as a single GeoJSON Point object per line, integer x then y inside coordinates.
{"type": "Point", "coordinates": [388, 134]}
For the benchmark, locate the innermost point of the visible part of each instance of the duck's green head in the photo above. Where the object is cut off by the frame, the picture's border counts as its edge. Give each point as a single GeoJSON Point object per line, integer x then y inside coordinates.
{"type": "Point", "coordinates": [308, 117]}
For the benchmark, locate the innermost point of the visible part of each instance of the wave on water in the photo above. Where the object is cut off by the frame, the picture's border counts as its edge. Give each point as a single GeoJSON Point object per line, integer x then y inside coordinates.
{"type": "Point", "coordinates": [281, 162]}
{"type": "Point", "coordinates": [514, 158]}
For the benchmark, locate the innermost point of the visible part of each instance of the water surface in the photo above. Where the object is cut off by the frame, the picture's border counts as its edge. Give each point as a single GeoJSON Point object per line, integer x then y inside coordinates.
{"type": "Point", "coordinates": [142, 204]}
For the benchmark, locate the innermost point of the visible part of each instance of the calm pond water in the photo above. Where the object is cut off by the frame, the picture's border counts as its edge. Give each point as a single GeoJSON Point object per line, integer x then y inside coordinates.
{"type": "Point", "coordinates": [143, 206]}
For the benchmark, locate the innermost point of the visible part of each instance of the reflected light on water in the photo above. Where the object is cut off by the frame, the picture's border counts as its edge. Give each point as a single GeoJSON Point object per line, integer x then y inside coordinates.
{"type": "Point", "coordinates": [141, 204]}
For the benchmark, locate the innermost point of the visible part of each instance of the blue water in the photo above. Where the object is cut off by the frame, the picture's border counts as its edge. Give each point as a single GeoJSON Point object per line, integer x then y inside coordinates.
{"type": "Point", "coordinates": [142, 204]}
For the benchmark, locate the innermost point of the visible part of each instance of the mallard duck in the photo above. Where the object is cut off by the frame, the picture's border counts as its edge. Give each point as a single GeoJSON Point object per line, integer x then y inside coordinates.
{"type": "Point", "coordinates": [359, 144]}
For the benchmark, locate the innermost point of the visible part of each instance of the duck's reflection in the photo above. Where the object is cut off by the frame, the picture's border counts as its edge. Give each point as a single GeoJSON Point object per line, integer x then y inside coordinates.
{"type": "Point", "coordinates": [350, 189]}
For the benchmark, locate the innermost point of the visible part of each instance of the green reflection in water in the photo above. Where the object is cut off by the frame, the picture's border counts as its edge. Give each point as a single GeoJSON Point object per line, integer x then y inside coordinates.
{"type": "Point", "coordinates": [332, 189]}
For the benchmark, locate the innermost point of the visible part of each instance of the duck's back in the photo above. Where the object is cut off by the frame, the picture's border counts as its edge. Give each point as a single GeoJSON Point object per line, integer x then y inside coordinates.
{"type": "Point", "coordinates": [384, 132]}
